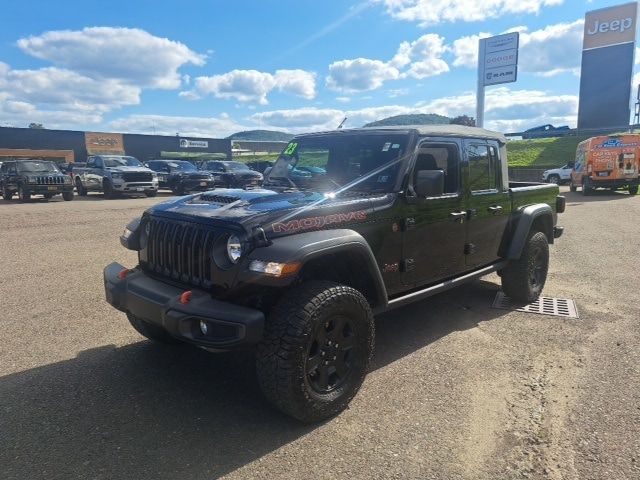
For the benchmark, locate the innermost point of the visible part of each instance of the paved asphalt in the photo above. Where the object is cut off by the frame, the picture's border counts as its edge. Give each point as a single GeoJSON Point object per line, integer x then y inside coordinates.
{"type": "Point", "coordinates": [458, 390]}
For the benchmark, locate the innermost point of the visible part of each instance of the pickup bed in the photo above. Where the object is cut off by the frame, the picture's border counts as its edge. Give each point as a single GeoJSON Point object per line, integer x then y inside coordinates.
{"type": "Point", "coordinates": [298, 268]}
{"type": "Point", "coordinates": [115, 174]}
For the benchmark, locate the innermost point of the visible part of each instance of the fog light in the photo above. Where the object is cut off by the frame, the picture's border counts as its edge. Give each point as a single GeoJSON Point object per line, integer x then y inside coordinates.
{"type": "Point", "coordinates": [204, 328]}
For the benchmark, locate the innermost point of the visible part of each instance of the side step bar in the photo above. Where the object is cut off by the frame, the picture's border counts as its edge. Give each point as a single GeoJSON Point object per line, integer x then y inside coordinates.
{"type": "Point", "coordinates": [441, 287]}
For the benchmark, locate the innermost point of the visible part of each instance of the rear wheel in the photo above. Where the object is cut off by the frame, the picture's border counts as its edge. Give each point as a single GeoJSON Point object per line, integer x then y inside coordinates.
{"type": "Point", "coordinates": [586, 187]}
{"type": "Point", "coordinates": [523, 279]}
{"type": "Point", "coordinates": [151, 331]}
{"type": "Point", "coordinates": [80, 188]}
{"type": "Point", "coordinates": [633, 189]}
{"type": "Point", "coordinates": [316, 350]}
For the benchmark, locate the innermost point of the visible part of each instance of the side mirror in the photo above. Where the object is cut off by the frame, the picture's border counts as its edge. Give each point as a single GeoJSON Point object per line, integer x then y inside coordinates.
{"type": "Point", "coordinates": [429, 183]}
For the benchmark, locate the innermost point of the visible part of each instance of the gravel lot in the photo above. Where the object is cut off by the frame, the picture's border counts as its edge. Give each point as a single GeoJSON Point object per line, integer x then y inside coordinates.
{"type": "Point", "coordinates": [458, 390]}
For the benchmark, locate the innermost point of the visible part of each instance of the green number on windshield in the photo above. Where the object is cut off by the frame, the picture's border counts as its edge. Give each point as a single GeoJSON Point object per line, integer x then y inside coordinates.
{"type": "Point", "coordinates": [291, 148]}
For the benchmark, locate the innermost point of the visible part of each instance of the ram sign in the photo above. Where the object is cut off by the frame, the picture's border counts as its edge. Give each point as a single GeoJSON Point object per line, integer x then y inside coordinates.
{"type": "Point", "coordinates": [607, 67]}
{"type": "Point", "coordinates": [499, 59]}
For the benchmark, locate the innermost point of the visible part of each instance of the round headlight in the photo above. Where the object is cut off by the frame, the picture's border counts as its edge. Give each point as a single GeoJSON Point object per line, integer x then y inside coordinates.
{"type": "Point", "coordinates": [234, 248]}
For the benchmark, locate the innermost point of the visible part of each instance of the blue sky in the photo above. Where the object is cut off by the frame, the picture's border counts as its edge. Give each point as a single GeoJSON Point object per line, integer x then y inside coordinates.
{"type": "Point", "coordinates": [211, 68]}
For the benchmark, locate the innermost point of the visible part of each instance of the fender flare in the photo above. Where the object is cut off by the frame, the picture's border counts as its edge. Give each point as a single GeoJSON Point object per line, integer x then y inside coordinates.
{"type": "Point", "coordinates": [309, 246]}
{"type": "Point", "coordinates": [528, 215]}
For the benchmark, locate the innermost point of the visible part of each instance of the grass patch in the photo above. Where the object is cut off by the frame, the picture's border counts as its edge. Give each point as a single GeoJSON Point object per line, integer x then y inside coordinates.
{"type": "Point", "coordinates": [542, 152]}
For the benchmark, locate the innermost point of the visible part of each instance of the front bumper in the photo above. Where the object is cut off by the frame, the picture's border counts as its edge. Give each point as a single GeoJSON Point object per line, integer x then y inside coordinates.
{"type": "Point", "coordinates": [197, 185]}
{"type": "Point", "coordinates": [603, 182]}
{"type": "Point", "coordinates": [45, 189]}
{"type": "Point", "coordinates": [230, 326]}
{"type": "Point", "coordinates": [135, 187]}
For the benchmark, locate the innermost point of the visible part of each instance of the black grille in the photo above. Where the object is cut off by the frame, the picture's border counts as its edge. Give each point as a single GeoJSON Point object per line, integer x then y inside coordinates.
{"type": "Point", "coordinates": [181, 251]}
{"type": "Point", "coordinates": [137, 177]}
{"type": "Point", "coordinates": [209, 197]}
{"type": "Point", "coordinates": [50, 180]}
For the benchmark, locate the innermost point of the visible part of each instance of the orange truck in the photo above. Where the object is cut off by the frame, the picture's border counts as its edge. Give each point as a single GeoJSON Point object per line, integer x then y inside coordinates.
{"type": "Point", "coordinates": [611, 162]}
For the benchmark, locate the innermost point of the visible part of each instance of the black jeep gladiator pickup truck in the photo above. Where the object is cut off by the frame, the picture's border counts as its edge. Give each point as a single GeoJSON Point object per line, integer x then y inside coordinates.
{"type": "Point", "coordinates": [299, 270]}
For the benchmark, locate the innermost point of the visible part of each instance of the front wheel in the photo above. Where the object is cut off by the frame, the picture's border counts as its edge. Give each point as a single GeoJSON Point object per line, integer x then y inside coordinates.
{"type": "Point", "coordinates": [23, 194]}
{"type": "Point", "coordinates": [81, 190]}
{"type": "Point", "coordinates": [67, 196]}
{"type": "Point", "coordinates": [151, 331]}
{"type": "Point", "coordinates": [107, 188]}
{"type": "Point", "coordinates": [316, 350]}
{"type": "Point", "coordinates": [7, 194]}
{"type": "Point", "coordinates": [573, 188]}
{"type": "Point", "coordinates": [151, 193]}
{"type": "Point", "coordinates": [633, 189]}
{"type": "Point", "coordinates": [523, 279]}
{"type": "Point", "coordinates": [554, 179]}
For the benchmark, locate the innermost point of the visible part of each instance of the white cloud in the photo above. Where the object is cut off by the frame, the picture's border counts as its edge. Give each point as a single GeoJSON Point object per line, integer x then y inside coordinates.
{"type": "Point", "coordinates": [433, 12]}
{"type": "Point", "coordinates": [17, 113]}
{"type": "Point", "coordinates": [506, 110]}
{"type": "Point", "coordinates": [359, 75]}
{"type": "Point", "coordinates": [130, 55]}
{"type": "Point", "coordinates": [548, 51]}
{"type": "Point", "coordinates": [214, 127]}
{"type": "Point", "coordinates": [254, 86]}
{"type": "Point", "coordinates": [418, 59]}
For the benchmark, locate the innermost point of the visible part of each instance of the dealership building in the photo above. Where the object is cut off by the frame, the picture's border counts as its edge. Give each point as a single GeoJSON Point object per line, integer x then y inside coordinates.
{"type": "Point", "coordinates": [74, 146]}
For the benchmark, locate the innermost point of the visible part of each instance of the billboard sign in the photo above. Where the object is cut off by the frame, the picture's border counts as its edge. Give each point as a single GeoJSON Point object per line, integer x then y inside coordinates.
{"type": "Point", "coordinates": [607, 67]}
{"type": "Point", "coordinates": [185, 143]}
{"type": "Point", "coordinates": [498, 60]}
{"type": "Point", "coordinates": [104, 143]}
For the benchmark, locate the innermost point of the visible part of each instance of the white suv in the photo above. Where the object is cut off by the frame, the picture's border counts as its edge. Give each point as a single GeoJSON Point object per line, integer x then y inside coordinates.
{"type": "Point", "coordinates": [558, 175]}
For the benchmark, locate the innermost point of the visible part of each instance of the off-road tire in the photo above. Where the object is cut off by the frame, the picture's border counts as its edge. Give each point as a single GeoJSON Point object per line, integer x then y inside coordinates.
{"type": "Point", "coordinates": [107, 189]}
{"type": "Point", "coordinates": [150, 331]}
{"type": "Point", "coordinates": [633, 189]}
{"type": "Point", "coordinates": [151, 193]}
{"type": "Point", "coordinates": [573, 188]}
{"type": "Point", "coordinates": [23, 195]}
{"type": "Point", "coordinates": [523, 279]}
{"type": "Point", "coordinates": [67, 196]}
{"type": "Point", "coordinates": [292, 331]}
{"type": "Point", "coordinates": [80, 188]}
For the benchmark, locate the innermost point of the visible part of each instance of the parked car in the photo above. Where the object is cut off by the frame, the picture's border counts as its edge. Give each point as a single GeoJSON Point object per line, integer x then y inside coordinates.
{"type": "Point", "coordinates": [545, 131]}
{"type": "Point", "coordinates": [180, 176]}
{"type": "Point", "coordinates": [34, 177]}
{"type": "Point", "coordinates": [298, 271]}
{"type": "Point", "coordinates": [115, 174]}
{"type": "Point", "coordinates": [558, 175]}
{"type": "Point", "coordinates": [611, 162]}
{"type": "Point", "coordinates": [232, 174]}
{"type": "Point", "coordinates": [260, 165]}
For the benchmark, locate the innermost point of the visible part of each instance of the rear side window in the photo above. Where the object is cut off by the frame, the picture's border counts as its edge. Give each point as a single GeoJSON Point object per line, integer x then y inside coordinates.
{"type": "Point", "coordinates": [482, 168]}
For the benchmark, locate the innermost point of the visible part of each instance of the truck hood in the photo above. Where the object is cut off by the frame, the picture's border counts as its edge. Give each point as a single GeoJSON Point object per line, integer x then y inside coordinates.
{"type": "Point", "coordinates": [128, 169]}
{"type": "Point", "coordinates": [278, 213]}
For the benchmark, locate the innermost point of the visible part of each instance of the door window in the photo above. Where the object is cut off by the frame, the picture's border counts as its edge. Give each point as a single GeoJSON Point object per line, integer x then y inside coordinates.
{"type": "Point", "coordinates": [482, 168]}
{"type": "Point", "coordinates": [440, 156]}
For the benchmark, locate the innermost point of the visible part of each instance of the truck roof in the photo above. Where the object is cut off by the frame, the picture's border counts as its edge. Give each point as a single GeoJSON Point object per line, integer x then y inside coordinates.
{"type": "Point", "coordinates": [434, 130]}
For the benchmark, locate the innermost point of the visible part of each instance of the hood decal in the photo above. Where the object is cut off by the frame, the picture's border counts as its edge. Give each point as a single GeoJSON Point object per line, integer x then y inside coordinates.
{"type": "Point", "coordinates": [318, 222]}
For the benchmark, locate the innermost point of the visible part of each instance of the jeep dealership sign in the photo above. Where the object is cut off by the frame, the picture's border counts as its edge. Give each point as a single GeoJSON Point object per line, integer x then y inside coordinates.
{"type": "Point", "coordinates": [607, 67]}
{"type": "Point", "coordinates": [499, 59]}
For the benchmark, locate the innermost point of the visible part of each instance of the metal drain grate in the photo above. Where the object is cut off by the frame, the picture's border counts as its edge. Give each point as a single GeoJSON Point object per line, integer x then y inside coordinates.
{"type": "Point", "coordinates": [558, 307]}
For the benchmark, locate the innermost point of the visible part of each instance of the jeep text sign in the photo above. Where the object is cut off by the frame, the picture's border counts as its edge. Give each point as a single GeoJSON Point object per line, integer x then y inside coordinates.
{"type": "Point", "coordinates": [607, 67]}
{"type": "Point", "coordinates": [498, 62]}
{"type": "Point", "coordinates": [103, 143]}
{"type": "Point", "coordinates": [610, 26]}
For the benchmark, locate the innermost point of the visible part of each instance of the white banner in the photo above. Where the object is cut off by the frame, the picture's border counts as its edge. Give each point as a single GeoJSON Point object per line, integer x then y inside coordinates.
{"type": "Point", "coordinates": [184, 143]}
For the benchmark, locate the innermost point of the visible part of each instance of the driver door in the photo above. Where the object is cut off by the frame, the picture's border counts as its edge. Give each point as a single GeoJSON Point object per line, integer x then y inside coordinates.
{"type": "Point", "coordinates": [434, 227]}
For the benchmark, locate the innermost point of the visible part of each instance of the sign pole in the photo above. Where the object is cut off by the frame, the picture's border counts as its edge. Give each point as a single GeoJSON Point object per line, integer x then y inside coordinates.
{"type": "Point", "coordinates": [480, 92]}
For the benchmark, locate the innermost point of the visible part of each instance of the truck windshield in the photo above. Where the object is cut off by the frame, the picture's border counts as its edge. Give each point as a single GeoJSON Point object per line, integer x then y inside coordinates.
{"type": "Point", "coordinates": [365, 162]}
{"type": "Point", "coordinates": [183, 166]}
{"type": "Point", "coordinates": [32, 166]}
{"type": "Point", "coordinates": [117, 161]}
{"type": "Point", "coordinates": [236, 166]}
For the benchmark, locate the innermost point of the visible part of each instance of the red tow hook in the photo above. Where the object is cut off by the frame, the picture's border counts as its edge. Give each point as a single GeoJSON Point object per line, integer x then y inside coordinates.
{"type": "Point", "coordinates": [123, 273]}
{"type": "Point", "coordinates": [186, 297]}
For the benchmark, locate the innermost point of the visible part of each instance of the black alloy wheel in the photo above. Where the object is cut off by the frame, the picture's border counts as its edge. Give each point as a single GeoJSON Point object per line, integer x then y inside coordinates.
{"type": "Point", "coordinates": [329, 360]}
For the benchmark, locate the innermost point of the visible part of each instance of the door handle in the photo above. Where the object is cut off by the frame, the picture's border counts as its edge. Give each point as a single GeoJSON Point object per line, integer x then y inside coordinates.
{"type": "Point", "coordinates": [495, 209]}
{"type": "Point", "coordinates": [458, 216]}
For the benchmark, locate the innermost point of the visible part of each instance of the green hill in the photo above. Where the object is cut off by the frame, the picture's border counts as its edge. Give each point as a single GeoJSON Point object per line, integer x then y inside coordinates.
{"type": "Point", "coordinates": [262, 136]}
{"type": "Point", "coordinates": [412, 119]}
{"type": "Point", "coordinates": [542, 152]}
